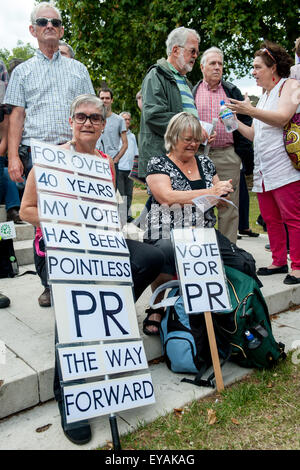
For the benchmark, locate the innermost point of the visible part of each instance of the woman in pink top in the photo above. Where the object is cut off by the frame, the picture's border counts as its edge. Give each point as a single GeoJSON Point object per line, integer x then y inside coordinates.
{"type": "Point", "coordinates": [275, 180]}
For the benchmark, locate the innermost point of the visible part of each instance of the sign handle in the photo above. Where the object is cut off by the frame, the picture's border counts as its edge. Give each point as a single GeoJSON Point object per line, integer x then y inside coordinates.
{"type": "Point", "coordinates": [214, 351]}
{"type": "Point", "coordinates": [114, 432]}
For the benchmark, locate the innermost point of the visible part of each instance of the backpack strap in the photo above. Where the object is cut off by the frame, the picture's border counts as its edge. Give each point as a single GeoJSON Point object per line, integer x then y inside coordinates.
{"type": "Point", "coordinates": [168, 301]}
{"type": "Point", "coordinates": [199, 381]}
{"type": "Point", "coordinates": [198, 378]}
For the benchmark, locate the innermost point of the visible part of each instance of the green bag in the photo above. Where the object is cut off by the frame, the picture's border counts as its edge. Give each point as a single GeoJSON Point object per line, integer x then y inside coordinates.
{"type": "Point", "coordinates": [250, 313]}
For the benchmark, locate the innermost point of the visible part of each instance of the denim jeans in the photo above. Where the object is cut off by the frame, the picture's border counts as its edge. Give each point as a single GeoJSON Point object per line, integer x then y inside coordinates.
{"type": "Point", "coordinates": [11, 193]}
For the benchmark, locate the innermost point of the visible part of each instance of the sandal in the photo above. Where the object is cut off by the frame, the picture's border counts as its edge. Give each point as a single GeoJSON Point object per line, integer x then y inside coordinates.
{"type": "Point", "coordinates": [150, 311]}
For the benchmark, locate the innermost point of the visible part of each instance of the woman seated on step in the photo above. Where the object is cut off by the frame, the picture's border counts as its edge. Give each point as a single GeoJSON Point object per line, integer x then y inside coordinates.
{"type": "Point", "coordinates": [175, 179]}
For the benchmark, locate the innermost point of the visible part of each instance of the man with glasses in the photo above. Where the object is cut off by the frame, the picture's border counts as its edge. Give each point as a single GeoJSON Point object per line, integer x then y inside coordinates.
{"type": "Point", "coordinates": [228, 149]}
{"type": "Point", "coordinates": [41, 91]}
{"type": "Point", "coordinates": [166, 92]}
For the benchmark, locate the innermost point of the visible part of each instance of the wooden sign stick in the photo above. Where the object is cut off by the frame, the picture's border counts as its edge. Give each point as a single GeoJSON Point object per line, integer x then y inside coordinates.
{"type": "Point", "coordinates": [214, 351]}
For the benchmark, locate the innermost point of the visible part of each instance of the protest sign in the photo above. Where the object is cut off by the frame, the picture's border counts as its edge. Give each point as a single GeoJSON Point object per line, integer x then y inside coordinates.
{"type": "Point", "coordinates": [57, 157]}
{"type": "Point", "coordinates": [63, 265]}
{"type": "Point", "coordinates": [94, 360]}
{"type": "Point", "coordinates": [91, 400]}
{"type": "Point", "coordinates": [200, 270]}
{"type": "Point", "coordinates": [74, 185]}
{"type": "Point", "coordinates": [92, 292]}
{"type": "Point", "coordinates": [83, 238]}
{"type": "Point", "coordinates": [67, 209]}
{"type": "Point", "coordinates": [87, 312]}
{"type": "Point", "coordinates": [7, 230]}
{"type": "Point", "coordinates": [203, 284]}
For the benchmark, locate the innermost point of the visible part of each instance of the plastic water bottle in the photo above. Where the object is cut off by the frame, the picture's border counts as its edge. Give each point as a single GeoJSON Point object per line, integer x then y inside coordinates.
{"type": "Point", "coordinates": [14, 265]}
{"type": "Point", "coordinates": [253, 342]}
{"type": "Point", "coordinates": [228, 118]}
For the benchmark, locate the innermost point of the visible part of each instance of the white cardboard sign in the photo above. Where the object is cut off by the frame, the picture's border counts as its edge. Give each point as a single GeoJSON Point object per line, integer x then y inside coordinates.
{"type": "Point", "coordinates": [94, 312]}
{"type": "Point", "coordinates": [57, 157]}
{"type": "Point", "coordinates": [68, 209]}
{"type": "Point", "coordinates": [95, 399]}
{"type": "Point", "coordinates": [81, 362]}
{"type": "Point", "coordinates": [83, 238]}
{"type": "Point", "coordinates": [63, 265]}
{"type": "Point", "coordinates": [69, 183]}
{"type": "Point", "coordinates": [200, 270]}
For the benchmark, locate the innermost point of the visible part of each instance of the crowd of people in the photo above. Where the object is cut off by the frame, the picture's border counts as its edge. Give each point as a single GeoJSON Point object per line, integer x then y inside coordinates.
{"type": "Point", "coordinates": [50, 98]}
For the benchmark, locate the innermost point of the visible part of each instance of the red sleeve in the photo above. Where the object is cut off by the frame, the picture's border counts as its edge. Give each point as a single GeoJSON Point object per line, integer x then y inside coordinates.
{"type": "Point", "coordinates": [112, 169]}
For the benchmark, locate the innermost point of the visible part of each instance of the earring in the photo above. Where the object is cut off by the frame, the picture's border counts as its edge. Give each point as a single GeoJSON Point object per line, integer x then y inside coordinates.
{"type": "Point", "coordinates": [273, 79]}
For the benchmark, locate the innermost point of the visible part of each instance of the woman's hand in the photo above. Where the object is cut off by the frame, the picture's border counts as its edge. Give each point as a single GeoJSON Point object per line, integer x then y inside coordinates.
{"type": "Point", "coordinates": [222, 188]}
{"type": "Point", "coordinates": [241, 107]}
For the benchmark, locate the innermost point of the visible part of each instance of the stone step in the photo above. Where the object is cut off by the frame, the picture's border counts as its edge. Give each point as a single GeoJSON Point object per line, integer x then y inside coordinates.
{"type": "Point", "coordinates": [24, 232]}
{"type": "Point", "coordinates": [2, 213]}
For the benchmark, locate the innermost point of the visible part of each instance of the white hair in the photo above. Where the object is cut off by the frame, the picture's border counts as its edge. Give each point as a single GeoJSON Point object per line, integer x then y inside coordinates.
{"type": "Point", "coordinates": [178, 37]}
{"type": "Point", "coordinates": [36, 9]}
{"type": "Point", "coordinates": [208, 51]}
{"type": "Point", "coordinates": [70, 48]}
{"type": "Point", "coordinates": [125, 112]}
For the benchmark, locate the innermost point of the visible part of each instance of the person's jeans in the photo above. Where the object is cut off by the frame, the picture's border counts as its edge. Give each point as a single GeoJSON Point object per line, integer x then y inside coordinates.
{"type": "Point", "coordinates": [11, 193]}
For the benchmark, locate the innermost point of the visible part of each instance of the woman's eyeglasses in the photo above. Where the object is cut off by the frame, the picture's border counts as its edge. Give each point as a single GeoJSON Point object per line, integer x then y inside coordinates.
{"type": "Point", "coordinates": [189, 140]}
{"type": "Point", "coordinates": [44, 21]}
{"type": "Point", "coordinates": [95, 118]}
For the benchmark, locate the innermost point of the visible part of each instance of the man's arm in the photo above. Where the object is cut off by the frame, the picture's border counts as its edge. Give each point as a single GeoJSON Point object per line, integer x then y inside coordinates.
{"type": "Point", "coordinates": [156, 107]}
{"type": "Point", "coordinates": [15, 129]}
{"type": "Point", "coordinates": [123, 148]}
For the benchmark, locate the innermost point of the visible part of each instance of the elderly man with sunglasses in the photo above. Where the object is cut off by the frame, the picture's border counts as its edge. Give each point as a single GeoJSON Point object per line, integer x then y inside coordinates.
{"type": "Point", "coordinates": [41, 91]}
{"type": "Point", "coordinates": [166, 92]}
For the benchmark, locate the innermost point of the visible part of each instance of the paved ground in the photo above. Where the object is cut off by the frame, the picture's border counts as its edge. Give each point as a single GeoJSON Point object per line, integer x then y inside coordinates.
{"type": "Point", "coordinates": [27, 331]}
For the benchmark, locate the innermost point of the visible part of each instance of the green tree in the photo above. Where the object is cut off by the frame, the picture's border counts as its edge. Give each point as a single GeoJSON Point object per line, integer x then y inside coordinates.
{"type": "Point", "coordinates": [119, 39]}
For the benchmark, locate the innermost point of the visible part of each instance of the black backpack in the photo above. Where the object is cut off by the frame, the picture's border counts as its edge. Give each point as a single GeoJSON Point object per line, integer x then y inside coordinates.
{"type": "Point", "coordinates": [249, 314]}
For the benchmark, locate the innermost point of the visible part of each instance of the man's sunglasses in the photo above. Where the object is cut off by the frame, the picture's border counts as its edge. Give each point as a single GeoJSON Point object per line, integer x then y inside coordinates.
{"type": "Point", "coordinates": [80, 118]}
{"type": "Point", "coordinates": [44, 21]}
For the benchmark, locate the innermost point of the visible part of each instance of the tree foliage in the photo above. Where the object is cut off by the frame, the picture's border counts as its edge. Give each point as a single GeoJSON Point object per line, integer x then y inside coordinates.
{"type": "Point", "coordinates": [119, 39]}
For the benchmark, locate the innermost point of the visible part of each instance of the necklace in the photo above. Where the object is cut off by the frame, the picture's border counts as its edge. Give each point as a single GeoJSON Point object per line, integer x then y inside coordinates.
{"type": "Point", "coordinates": [188, 170]}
